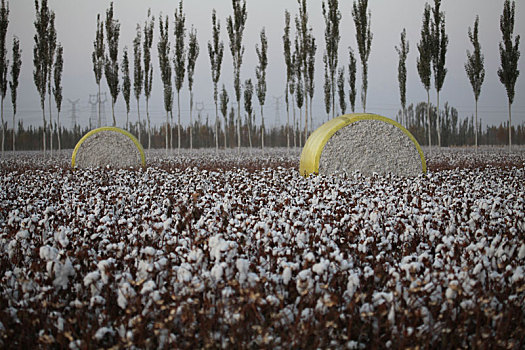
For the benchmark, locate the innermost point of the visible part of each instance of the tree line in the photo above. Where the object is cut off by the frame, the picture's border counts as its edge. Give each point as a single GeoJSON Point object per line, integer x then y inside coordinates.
{"type": "Point", "coordinates": [177, 62]}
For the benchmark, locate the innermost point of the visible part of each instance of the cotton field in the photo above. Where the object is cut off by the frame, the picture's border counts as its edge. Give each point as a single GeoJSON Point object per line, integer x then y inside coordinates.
{"type": "Point", "coordinates": [228, 250]}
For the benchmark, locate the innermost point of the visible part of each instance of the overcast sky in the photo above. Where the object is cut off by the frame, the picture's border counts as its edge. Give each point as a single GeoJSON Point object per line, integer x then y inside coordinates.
{"type": "Point", "coordinates": [76, 25]}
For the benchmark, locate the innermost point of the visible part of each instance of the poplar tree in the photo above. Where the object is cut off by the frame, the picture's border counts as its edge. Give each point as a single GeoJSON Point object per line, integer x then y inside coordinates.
{"type": "Point", "coordinates": [111, 68]}
{"type": "Point", "coordinates": [402, 52]}
{"type": "Point", "coordinates": [303, 41]}
{"type": "Point", "coordinates": [341, 89]}
{"type": "Point", "coordinates": [440, 43]}
{"type": "Point", "coordinates": [126, 83]}
{"type": "Point", "coordinates": [292, 88]}
{"type": "Point", "coordinates": [193, 53]}
{"type": "Point", "coordinates": [50, 59]}
{"type": "Point", "coordinates": [235, 26]}
{"type": "Point", "coordinates": [57, 89]}
{"type": "Point", "coordinates": [260, 73]}
{"type": "Point", "coordinates": [475, 70]}
{"type": "Point", "coordinates": [509, 55]}
{"type": "Point", "coordinates": [248, 107]}
{"type": "Point", "coordinates": [163, 47]}
{"type": "Point", "coordinates": [424, 62]}
{"type": "Point", "coordinates": [289, 72]}
{"type": "Point", "coordinates": [40, 57]}
{"type": "Point", "coordinates": [148, 66]}
{"type": "Point", "coordinates": [327, 89]}
{"type": "Point", "coordinates": [332, 18]}
{"type": "Point", "coordinates": [216, 52]}
{"type": "Point", "coordinates": [352, 70]}
{"type": "Point", "coordinates": [310, 73]}
{"type": "Point", "coordinates": [299, 89]}
{"type": "Point", "coordinates": [179, 60]}
{"type": "Point", "coordinates": [362, 21]}
{"type": "Point", "coordinates": [138, 72]}
{"type": "Point", "coordinates": [15, 73]}
{"type": "Point", "coordinates": [224, 110]}
{"type": "Point", "coordinates": [4, 62]}
{"type": "Point", "coordinates": [98, 60]}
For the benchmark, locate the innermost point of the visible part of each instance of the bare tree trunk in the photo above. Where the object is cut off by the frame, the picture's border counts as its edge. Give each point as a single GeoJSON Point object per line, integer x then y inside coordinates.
{"type": "Point", "coordinates": [293, 128]}
{"type": "Point", "coordinates": [438, 122]}
{"type": "Point", "coordinates": [429, 123]}
{"type": "Point", "coordinates": [113, 112]}
{"type": "Point", "coordinates": [217, 127]}
{"type": "Point", "coordinates": [149, 123]}
{"type": "Point", "coordinates": [262, 128]}
{"type": "Point", "coordinates": [3, 127]}
{"type": "Point", "coordinates": [99, 108]}
{"type": "Point", "coordinates": [300, 127]}
{"type": "Point", "coordinates": [250, 132]}
{"type": "Point", "coordinates": [14, 132]}
{"type": "Point", "coordinates": [510, 128]}
{"type": "Point", "coordinates": [171, 130]}
{"type": "Point", "coordinates": [127, 120]}
{"type": "Point", "coordinates": [44, 130]}
{"type": "Point", "coordinates": [225, 126]}
{"type": "Point", "coordinates": [287, 122]}
{"type": "Point", "coordinates": [59, 132]}
{"type": "Point", "coordinates": [239, 126]}
{"type": "Point", "coordinates": [191, 119]}
{"type": "Point", "coordinates": [305, 115]}
{"type": "Point", "coordinates": [167, 130]}
{"type": "Point", "coordinates": [138, 113]}
{"type": "Point", "coordinates": [178, 121]}
{"type": "Point", "coordinates": [51, 126]}
{"type": "Point", "coordinates": [476, 127]}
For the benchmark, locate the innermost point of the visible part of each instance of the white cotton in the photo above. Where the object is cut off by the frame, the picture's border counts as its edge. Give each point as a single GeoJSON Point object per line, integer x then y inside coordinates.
{"type": "Point", "coordinates": [101, 333]}
{"type": "Point", "coordinates": [183, 274]}
{"type": "Point", "coordinates": [103, 267]}
{"type": "Point", "coordinates": [23, 234]}
{"type": "Point", "coordinates": [243, 266]}
{"type": "Point", "coordinates": [149, 251]}
{"type": "Point", "coordinates": [91, 277]}
{"type": "Point", "coordinates": [148, 287]}
{"type": "Point", "coordinates": [321, 267]}
{"type": "Point", "coordinates": [125, 291]}
{"type": "Point", "coordinates": [48, 253]}
{"type": "Point", "coordinates": [61, 237]}
{"type": "Point", "coordinates": [352, 285]}
{"type": "Point", "coordinates": [217, 245]}
{"type": "Point", "coordinates": [521, 253]}
{"type": "Point", "coordinates": [477, 269]}
{"type": "Point", "coordinates": [217, 272]}
{"type": "Point", "coordinates": [450, 293]}
{"type": "Point", "coordinates": [62, 273]}
{"type": "Point", "coordinates": [287, 275]}
{"type": "Point", "coordinates": [309, 257]}
{"type": "Point", "coordinates": [518, 274]}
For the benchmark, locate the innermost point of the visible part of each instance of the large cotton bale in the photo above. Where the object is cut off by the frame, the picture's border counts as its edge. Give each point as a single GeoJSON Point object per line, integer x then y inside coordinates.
{"type": "Point", "coordinates": [367, 143]}
{"type": "Point", "coordinates": [108, 146]}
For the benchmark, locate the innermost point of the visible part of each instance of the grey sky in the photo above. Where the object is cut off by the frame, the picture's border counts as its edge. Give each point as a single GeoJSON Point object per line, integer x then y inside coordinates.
{"type": "Point", "coordinates": [76, 24]}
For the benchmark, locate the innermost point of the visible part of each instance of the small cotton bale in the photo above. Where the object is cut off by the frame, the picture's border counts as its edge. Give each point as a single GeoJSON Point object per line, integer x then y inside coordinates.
{"type": "Point", "coordinates": [108, 146]}
{"type": "Point", "coordinates": [367, 143]}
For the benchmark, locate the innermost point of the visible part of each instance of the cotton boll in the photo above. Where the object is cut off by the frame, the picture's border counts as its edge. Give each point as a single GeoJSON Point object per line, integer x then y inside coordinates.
{"type": "Point", "coordinates": [353, 284]}
{"type": "Point", "coordinates": [287, 275]}
{"type": "Point", "coordinates": [48, 253]}
{"type": "Point", "coordinates": [217, 272]}
{"type": "Point", "coordinates": [243, 266]}
{"type": "Point", "coordinates": [521, 253]}
{"type": "Point", "coordinates": [148, 287]}
{"type": "Point", "coordinates": [62, 273]}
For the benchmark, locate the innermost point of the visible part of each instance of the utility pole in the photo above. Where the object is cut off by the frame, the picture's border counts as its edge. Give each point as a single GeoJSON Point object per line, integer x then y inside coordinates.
{"type": "Point", "coordinates": [93, 102]}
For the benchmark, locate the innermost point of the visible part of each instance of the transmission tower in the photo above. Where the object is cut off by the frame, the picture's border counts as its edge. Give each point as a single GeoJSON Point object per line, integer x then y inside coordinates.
{"type": "Point", "coordinates": [277, 110]}
{"type": "Point", "coordinates": [73, 112]}
{"type": "Point", "coordinates": [93, 102]}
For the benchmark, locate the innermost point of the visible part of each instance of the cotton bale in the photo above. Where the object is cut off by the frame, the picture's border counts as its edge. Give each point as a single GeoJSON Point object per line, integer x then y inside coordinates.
{"type": "Point", "coordinates": [367, 143]}
{"type": "Point", "coordinates": [108, 146]}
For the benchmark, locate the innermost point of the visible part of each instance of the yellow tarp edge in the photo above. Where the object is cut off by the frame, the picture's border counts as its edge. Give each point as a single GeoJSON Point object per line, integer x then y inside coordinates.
{"type": "Point", "coordinates": [311, 154]}
{"type": "Point", "coordinates": [109, 128]}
